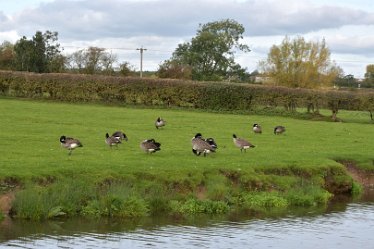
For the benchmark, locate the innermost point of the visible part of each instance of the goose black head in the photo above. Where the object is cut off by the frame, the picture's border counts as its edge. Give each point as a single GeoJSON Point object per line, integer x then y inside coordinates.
{"type": "Point", "coordinates": [106, 135]}
{"type": "Point", "coordinates": [198, 135]}
{"type": "Point", "coordinates": [233, 135]}
{"type": "Point", "coordinates": [62, 139]}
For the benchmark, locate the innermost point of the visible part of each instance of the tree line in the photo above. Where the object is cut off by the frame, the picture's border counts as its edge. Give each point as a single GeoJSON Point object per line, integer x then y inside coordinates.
{"type": "Point", "coordinates": [208, 56]}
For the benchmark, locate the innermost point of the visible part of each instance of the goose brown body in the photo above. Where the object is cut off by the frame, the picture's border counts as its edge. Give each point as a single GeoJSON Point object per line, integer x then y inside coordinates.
{"type": "Point", "coordinates": [241, 143]}
{"type": "Point", "coordinates": [159, 122]}
{"type": "Point", "coordinates": [112, 140]}
{"type": "Point", "coordinates": [199, 145]}
{"type": "Point", "coordinates": [279, 129]}
{"type": "Point", "coordinates": [120, 135]}
{"type": "Point", "coordinates": [150, 146]}
{"type": "Point", "coordinates": [70, 143]}
{"type": "Point", "coordinates": [257, 128]}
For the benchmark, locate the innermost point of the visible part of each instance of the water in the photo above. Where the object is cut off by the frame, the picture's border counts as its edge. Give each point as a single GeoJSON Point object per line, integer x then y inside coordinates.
{"type": "Point", "coordinates": [342, 225]}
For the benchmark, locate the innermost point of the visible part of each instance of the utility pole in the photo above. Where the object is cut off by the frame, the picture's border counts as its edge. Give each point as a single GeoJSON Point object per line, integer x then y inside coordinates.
{"type": "Point", "coordinates": [141, 60]}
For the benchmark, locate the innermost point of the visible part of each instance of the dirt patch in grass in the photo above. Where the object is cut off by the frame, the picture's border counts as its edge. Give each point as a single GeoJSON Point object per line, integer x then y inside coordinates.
{"type": "Point", "coordinates": [364, 177]}
{"type": "Point", "coordinates": [6, 202]}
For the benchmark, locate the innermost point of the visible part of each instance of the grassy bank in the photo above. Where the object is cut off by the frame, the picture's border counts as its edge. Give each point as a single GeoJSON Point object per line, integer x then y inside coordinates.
{"type": "Point", "coordinates": [292, 169]}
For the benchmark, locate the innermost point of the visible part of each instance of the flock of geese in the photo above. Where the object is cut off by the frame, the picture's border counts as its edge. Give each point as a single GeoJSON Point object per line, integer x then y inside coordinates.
{"type": "Point", "coordinates": [200, 145]}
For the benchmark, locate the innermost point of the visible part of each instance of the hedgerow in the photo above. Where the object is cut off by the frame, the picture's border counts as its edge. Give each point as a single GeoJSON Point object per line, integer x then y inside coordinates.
{"type": "Point", "coordinates": [178, 93]}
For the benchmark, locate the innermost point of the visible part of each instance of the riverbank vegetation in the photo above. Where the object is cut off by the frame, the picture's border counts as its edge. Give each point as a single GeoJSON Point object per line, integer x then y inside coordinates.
{"type": "Point", "coordinates": [298, 168]}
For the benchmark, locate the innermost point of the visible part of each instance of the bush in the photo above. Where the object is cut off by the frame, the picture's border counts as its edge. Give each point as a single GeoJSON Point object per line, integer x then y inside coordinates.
{"type": "Point", "coordinates": [264, 200]}
{"type": "Point", "coordinates": [308, 196]}
{"type": "Point", "coordinates": [177, 93]}
{"type": "Point", "coordinates": [194, 206]}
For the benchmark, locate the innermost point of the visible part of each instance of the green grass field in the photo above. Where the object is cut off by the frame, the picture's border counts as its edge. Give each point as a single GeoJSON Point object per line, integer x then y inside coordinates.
{"type": "Point", "coordinates": [31, 151]}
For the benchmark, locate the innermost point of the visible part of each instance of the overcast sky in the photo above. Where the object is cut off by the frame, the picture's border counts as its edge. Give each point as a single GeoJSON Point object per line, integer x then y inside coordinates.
{"type": "Point", "coordinates": [160, 25]}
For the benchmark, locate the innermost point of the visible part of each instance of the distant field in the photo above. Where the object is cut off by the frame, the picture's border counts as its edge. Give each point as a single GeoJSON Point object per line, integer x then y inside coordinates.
{"type": "Point", "coordinates": [293, 169]}
{"type": "Point", "coordinates": [30, 146]}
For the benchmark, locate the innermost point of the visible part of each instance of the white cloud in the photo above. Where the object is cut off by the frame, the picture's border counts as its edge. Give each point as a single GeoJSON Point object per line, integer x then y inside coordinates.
{"type": "Point", "coordinates": [160, 25]}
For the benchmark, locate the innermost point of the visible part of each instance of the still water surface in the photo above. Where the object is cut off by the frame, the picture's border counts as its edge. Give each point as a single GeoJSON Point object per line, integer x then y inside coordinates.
{"type": "Point", "coordinates": [342, 225]}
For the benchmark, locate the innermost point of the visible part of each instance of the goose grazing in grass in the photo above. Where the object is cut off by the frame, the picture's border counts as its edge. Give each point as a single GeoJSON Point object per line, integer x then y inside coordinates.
{"type": "Point", "coordinates": [120, 135]}
{"type": "Point", "coordinates": [150, 146]}
{"type": "Point", "coordinates": [70, 143]}
{"type": "Point", "coordinates": [112, 140]}
{"type": "Point", "coordinates": [242, 144]}
{"type": "Point", "coordinates": [212, 142]}
{"type": "Point", "coordinates": [200, 145]}
{"type": "Point", "coordinates": [279, 129]}
{"type": "Point", "coordinates": [160, 123]}
{"type": "Point", "coordinates": [257, 128]}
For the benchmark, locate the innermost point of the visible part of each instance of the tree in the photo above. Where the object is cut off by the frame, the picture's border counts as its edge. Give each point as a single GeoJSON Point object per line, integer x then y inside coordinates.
{"type": "Point", "coordinates": [107, 60]}
{"type": "Point", "coordinates": [24, 50]}
{"type": "Point", "coordinates": [126, 69]}
{"type": "Point", "coordinates": [298, 63]}
{"type": "Point", "coordinates": [7, 55]}
{"type": "Point", "coordinates": [92, 60]}
{"type": "Point", "coordinates": [172, 69]}
{"type": "Point", "coordinates": [369, 75]}
{"type": "Point", "coordinates": [210, 54]}
{"type": "Point", "coordinates": [39, 54]}
{"type": "Point", "coordinates": [55, 60]}
{"type": "Point", "coordinates": [369, 72]}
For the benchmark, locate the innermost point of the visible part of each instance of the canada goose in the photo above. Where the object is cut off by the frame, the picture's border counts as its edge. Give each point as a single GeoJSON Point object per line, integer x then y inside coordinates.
{"type": "Point", "coordinates": [279, 129]}
{"type": "Point", "coordinates": [70, 143]}
{"type": "Point", "coordinates": [120, 135]}
{"type": "Point", "coordinates": [257, 128]}
{"type": "Point", "coordinates": [242, 144]}
{"type": "Point", "coordinates": [160, 122]}
{"type": "Point", "coordinates": [199, 145]}
{"type": "Point", "coordinates": [212, 142]}
{"type": "Point", "coordinates": [112, 140]}
{"type": "Point", "coordinates": [150, 146]}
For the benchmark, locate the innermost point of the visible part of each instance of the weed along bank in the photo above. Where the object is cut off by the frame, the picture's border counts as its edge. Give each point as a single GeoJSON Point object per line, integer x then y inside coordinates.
{"type": "Point", "coordinates": [300, 167]}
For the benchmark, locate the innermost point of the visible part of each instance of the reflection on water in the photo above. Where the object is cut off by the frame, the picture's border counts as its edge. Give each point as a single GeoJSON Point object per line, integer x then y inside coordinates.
{"type": "Point", "coordinates": [342, 225]}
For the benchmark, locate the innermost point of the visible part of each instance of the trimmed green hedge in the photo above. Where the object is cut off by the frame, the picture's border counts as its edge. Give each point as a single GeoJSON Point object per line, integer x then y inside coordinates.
{"type": "Point", "coordinates": [176, 93]}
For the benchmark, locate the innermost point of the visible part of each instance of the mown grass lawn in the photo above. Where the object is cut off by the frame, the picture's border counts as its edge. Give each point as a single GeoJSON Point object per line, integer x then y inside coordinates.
{"type": "Point", "coordinates": [291, 166]}
{"type": "Point", "coordinates": [30, 146]}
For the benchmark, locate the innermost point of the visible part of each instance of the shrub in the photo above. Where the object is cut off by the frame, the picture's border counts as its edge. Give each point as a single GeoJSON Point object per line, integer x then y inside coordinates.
{"type": "Point", "coordinates": [308, 196]}
{"type": "Point", "coordinates": [178, 93]}
{"type": "Point", "coordinates": [263, 200]}
{"type": "Point", "coordinates": [194, 206]}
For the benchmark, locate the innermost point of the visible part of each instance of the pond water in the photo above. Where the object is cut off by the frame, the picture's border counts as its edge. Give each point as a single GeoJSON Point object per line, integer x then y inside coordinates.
{"type": "Point", "coordinates": [341, 225]}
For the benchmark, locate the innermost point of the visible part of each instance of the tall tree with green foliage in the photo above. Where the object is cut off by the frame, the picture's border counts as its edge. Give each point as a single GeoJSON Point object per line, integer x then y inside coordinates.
{"type": "Point", "coordinates": [300, 63]}
{"type": "Point", "coordinates": [210, 54]}
{"type": "Point", "coordinates": [41, 54]}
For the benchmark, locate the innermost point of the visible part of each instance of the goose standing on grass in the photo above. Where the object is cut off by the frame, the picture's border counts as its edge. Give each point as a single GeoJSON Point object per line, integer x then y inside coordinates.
{"type": "Point", "coordinates": [150, 146]}
{"type": "Point", "coordinates": [257, 128]}
{"type": "Point", "coordinates": [279, 129]}
{"type": "Point", "coordinates": [70, 143]}
{"type": "Point", "coordinates": [120, 135]}
{"type": "Point", "coordinates": [199, 145]}
{"type": "Point", "coordinates": [160, 123]}
{"type": "Point", "coordinates": [112, 140]}
{"type": "Point", "coordinates": [242, 144]}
